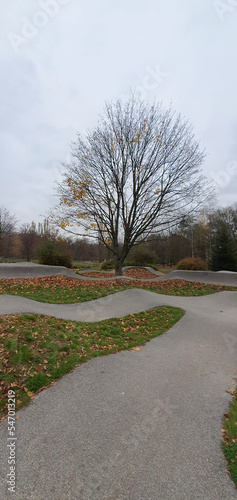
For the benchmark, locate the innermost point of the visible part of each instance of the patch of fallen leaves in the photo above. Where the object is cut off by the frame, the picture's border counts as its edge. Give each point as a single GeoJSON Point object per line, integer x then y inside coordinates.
{"type": "Point", "coordinates": [131, 273]}
{"type": "Point", "coordinates": [98, 274]}
{"type": "Point", "coordinates": [29, 286]}
{"type": "Point", "coordinates": [139, 274]}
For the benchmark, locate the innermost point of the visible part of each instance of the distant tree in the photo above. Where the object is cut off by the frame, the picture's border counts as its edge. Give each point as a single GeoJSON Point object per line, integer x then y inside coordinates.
{"type": "Point", "coordinates": [84, 249]}
{"type": "Point", "coordinates": [222, 225]}
{"type": "Point", "coordinates": [177, 247]}
{"type": "Point", "coordinates": [224, 255]}
{"type": "Point", "coordinates": [29, 238]}
{"type": "Point", "coordinates": [8, 224]}
{"type": "Point", "coordinates": [156, 243]}
{"type": "Point", "coordinates": [136, 173]}
{"type": "Point", "coordinates": [186, 229]}
{"type": "Point", "coordinates": [196, 232]}
{"type": "Point", "coordinates": [201, 240]}
{"type": "Point", "coordinates": [224, 217]}
{"type": "Point", "coordinates": [16, 247]}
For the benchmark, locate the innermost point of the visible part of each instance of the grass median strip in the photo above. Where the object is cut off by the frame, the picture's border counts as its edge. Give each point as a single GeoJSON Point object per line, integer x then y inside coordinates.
{"type": "Point", "coordinates": [229, 444]}
{"type": "Point", "coordinates": [65, 290]}
{"type": "Point", "coordinates": [36, 350]}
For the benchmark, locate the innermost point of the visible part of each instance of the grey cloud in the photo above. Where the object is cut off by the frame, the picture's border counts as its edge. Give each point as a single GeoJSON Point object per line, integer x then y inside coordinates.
{"type": "Point", "coordinates": [90, 52]}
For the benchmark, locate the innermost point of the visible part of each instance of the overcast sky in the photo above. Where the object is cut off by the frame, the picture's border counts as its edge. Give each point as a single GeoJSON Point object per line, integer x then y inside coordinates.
{"type": "Point", "coordinates": [62, 59]}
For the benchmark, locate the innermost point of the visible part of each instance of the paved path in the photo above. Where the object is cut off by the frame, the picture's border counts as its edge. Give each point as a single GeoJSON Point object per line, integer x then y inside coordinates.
{"type": "Point", "coordinates": [134, 425]}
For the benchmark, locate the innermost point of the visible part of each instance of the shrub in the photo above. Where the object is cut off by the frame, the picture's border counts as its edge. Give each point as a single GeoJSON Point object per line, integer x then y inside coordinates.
{"type": "Point", "coordinates": [129, 262]}
{"type": "Point", "coordinates": [52, 253]}
{"type": "Point", "coordinates": [192, 264]}
{"type": "Point", "coordinates": [108, 265]}
{"type": "Point", "coordinates": [141, 255]}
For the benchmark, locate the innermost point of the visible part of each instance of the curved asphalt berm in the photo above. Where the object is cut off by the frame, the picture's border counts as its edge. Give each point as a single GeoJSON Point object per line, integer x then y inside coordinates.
{"type": "Point", "coordinates": [30, 270]}
{"type": "Point", "coordinates": [134, 425]}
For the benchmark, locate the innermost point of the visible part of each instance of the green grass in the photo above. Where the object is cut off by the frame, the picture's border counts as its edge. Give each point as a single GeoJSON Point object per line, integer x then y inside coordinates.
{"type": "Point", "coordinates": [164, 271]}
{"type": "Point", "coordinates": [37, 350]}
{"type": "Point", "coordinates": [229, 445]}
{"type": "Point", "coordinates": [81, 265]}
{"type": "Point", "coordinates": [62, 295]}
{"type": "Point", "coordinates": [64, 290]}
{"type": "Point", "coordinates": [10, 260]}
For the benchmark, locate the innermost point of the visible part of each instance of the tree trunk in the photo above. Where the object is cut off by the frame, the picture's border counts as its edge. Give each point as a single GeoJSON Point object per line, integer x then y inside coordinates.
{"type": "Point", "coordinates": [118, 267]}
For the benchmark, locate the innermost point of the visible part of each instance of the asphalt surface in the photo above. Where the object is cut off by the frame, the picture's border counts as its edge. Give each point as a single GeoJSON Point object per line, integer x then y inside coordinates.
{"type": "Point", "coordinates": [135, 425]}
{"type": "Point", "coordinates": [31, 270]}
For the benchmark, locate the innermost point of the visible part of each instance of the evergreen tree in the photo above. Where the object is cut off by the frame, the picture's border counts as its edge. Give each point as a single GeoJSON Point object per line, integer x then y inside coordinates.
{"type": "Point", "coordinates": [224, 254]}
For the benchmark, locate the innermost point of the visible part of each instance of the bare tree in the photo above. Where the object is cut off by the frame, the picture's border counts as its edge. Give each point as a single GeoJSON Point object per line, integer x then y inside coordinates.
{"type": "Point", "coordinates": [29, 238]}
{"type": "Point", "coordinates": [7, 228]}
{"type": "Point", "coordinates": [137, 172]}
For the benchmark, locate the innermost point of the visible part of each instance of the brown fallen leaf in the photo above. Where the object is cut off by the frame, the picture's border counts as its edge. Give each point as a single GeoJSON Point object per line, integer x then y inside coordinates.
{"type": "Point", "coordinates": [39, 368]}
{"type": "Point", "coordinates": [135, 349]}
{"type": "Point", "coordinates": [230, 391]}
